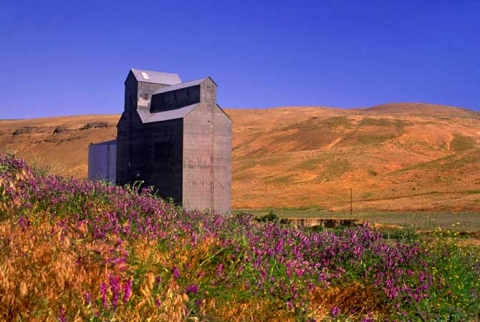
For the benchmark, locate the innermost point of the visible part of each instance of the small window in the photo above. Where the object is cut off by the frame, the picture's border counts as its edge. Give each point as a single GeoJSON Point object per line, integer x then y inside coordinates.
{"type": "Point", "coordinates": [145, 96]}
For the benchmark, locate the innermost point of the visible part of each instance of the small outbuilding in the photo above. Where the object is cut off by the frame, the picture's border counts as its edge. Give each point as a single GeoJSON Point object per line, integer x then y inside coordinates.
{"type": "Point", "coordinates": [102, 160]}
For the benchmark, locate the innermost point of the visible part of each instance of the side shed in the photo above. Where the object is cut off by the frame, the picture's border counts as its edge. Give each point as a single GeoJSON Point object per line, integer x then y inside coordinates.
{"type": "Point", "coordinates": [102, 159]}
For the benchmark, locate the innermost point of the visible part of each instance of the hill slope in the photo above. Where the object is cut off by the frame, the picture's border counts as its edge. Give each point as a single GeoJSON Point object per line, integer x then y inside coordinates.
{"type": "Point", "coordinates": [421, 109]}
{"type": "Point", "coordinates": [391, 156]}
{"type": "Point", "coordinates": [59, 144]}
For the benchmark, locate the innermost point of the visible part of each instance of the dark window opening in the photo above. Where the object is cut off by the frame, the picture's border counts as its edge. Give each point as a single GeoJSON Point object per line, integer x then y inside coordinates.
{"type": "Point", "coordinates": [145, 96]}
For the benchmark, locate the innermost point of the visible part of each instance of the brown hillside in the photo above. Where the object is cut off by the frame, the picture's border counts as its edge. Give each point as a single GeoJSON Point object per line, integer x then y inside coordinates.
{"type": "Point", "coordinates": [421, 109]}
{"type": "Point", "coordinates": [308, 156]}
{"type": "Point", "coordinates": [59, 144]}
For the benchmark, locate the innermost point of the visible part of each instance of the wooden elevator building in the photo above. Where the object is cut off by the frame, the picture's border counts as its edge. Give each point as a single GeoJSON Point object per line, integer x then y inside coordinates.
{"type": "Point", "coordinates": [172, 135]}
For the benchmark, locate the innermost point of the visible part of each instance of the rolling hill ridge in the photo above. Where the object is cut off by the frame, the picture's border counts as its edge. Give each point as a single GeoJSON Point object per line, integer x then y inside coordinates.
{"type": "Point", "coordinates": [403, 156]}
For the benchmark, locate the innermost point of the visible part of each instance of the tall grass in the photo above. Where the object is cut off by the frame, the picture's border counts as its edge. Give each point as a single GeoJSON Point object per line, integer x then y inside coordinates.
{"type": "Point", "coordinates": [77, 250]}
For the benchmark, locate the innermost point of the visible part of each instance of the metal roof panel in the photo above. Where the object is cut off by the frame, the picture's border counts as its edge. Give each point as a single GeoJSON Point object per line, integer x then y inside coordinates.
{"type": "Point", "coordinates": [178, 113]}
{"type": "Point", "coordinates": [111, 142]}
{"type": "Point", "coordinates": [148, 76]}
{"type": "Point", "coordinates": [181, 85]}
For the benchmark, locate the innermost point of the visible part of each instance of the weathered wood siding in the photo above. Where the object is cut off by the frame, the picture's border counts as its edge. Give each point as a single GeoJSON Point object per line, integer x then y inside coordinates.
{"type": "Point", "coordinates": [187, 159]}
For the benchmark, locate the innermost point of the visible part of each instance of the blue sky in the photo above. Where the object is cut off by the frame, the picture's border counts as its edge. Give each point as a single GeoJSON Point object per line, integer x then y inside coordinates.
{"type": "Point", "coordinates": [71, 57]}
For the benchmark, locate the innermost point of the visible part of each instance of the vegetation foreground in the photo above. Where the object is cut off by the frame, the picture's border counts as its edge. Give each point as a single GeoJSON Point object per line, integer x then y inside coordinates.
{"type": "Point", "coordinates": [78, 250]}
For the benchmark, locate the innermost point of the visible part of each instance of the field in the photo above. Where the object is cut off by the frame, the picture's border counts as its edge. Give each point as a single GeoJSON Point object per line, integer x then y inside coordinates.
{"type": "Point", "coordinates": [394, 157]}
{"type": "Point", "coordinates": [74, 250]}
{"type": "Point", "coordinates": [422, 221]}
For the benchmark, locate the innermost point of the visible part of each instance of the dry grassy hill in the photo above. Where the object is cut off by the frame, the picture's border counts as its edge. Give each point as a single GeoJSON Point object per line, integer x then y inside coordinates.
{"type": "Point", "coordinates": [394, 157]}
{"type": "Point", "coordinates": [58, 144]}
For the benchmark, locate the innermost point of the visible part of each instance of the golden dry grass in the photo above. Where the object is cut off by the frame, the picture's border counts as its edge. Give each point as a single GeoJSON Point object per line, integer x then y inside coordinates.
{"type": "Point", "coordinates": [352, 300]}
{"type": "Point", "coordinates": [46, 269]}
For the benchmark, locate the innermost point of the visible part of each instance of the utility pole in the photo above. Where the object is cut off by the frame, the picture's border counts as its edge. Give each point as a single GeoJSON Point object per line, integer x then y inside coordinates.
{"type": "Point", "coordinates": [351, 202]}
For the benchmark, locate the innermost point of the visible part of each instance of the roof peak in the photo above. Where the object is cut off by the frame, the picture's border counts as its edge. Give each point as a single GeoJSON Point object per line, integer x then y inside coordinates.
{"type": "Point", "coordinates": [150, 76]}
{"type": "Point", "coordinates": [151, 71]}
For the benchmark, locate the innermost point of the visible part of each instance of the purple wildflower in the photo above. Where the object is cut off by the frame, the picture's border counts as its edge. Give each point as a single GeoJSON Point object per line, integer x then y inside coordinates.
{"type": "Point", "coordinates": [310, 287]}
{"type": "Point", "coordinates": [127, 290]}
{"type": "Point", "coordinates": [103, 293]}
{"type": "Point", "coordinates": [175, 272]}
{"type": "Point", "coordinates": [23, 223]}
{"type": "Point", "coordinates": [88, 297]}
{"type": "Point", "coordinates": [219, 269]}
{"type": "Point", "coordinates": [115, 289]}
{"type": "Point", "coordinates": [335, 311]}
{"type": "Point", "coordinates": [61, 314]}
{"type": "Point", "coordinates": [158, 281]}
{"type": "Point", "coordinates": [192, 289]}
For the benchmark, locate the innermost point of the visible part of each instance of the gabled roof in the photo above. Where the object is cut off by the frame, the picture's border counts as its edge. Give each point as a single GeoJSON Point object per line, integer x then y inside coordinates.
{"type": "Point", "coordinates": [178, 113]}
{"type": "Point", "coordinates": [183, 85]}
{"type": "Point", "coordinates": [148, 76]}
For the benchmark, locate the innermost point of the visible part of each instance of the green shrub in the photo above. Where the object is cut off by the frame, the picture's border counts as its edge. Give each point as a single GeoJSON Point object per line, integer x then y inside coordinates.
{"type": "Point", "coordinates": [271, 216]}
